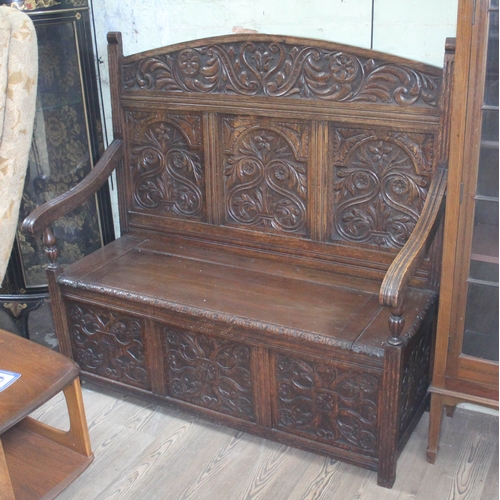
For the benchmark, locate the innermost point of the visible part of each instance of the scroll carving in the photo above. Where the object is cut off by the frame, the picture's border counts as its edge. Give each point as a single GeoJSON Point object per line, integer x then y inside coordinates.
{"type": "Point", "coordinates": [380, 185]}
{"type": "Point", "coordinates": [210, 372]}
{"type": "Point", "coordinates": [108, 344]}
{"type": "Point", "coordinates": [167, 164]}
{"type": "Point", "coordinates": [277, 69]}
{"type": "Point", "coordinates": [328, 403]}
{"type": "Point", "coordinates": [266, 176]}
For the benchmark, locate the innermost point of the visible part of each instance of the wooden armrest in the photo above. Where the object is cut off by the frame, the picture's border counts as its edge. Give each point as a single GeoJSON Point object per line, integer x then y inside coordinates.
{"type": "Point", "coordinates": [54, 209]}
{"type": "Point", "coordinates": [409, 258]}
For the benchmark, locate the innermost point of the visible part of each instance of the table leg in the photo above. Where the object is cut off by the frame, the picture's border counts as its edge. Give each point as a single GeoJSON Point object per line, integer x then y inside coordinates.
{"type": "Point", "coordinates": [77, 438]}
{"type": "Point", "coordinates": [6, 491]}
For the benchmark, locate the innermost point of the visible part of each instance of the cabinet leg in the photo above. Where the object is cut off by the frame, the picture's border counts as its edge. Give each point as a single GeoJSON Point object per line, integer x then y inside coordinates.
{"type": "Point", "coordinates": [450, 411]}
{"type": "Point", "coordinates": [435, 418]}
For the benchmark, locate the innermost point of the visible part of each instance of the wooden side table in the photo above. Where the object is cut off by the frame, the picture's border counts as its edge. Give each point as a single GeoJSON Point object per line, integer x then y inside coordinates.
{"type": "Point", "coordinates": [36, 460]}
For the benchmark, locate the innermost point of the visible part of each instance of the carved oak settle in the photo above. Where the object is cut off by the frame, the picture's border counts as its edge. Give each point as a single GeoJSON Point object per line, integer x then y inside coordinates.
{"type": "Point", "coordinates": [280, 206]}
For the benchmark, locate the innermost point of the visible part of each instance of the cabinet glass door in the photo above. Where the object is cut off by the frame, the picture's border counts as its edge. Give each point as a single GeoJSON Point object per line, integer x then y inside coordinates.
{"type": "Point", "coordinates": [481, 319]}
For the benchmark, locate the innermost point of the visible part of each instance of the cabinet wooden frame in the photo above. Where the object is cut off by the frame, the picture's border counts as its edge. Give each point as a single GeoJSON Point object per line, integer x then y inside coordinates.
{"type": "Point", "coordinates": [458, 377]}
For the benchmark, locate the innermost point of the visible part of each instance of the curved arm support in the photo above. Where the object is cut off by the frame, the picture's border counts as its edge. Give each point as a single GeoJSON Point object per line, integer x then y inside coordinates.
{"type": "Point", "coordinates": [405, 264]}
{"type": "Point", "coordinates": [54, 209]}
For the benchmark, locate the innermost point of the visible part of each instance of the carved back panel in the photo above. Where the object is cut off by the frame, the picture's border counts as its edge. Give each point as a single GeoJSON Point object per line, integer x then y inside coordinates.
{"type": "Point", "coordinates": [288, 142]}
{"type": "Point", "coordinates": [265, 164]}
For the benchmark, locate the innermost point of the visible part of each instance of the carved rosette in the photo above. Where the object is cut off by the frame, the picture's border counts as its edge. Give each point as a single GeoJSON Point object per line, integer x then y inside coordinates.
{"type": "Point", "coordinates": [277, 69]}
{"type": "Point", "coordinates": [416, 379]}
{"type": "Point", "coordinates": [380, 185]}
{"type": "Point", "coordinates": [108, 344]}
{"type": "Point", "coordinates": [328, 403]}
{"type": "Point", "coordinates": [210, 372]}
{"type": "Point", "coordinates": [266, 175]}
{"type": "Point", "coordinates": [167, 164]}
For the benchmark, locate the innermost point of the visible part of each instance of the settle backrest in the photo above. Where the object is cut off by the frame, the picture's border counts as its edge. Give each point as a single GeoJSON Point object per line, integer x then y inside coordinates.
{"type": "Point", "coordinates": [303, 149]}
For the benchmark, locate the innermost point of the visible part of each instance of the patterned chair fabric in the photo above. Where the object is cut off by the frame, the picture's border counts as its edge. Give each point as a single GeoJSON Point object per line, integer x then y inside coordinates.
{"type": "Point", "coordinates": [18, 81]}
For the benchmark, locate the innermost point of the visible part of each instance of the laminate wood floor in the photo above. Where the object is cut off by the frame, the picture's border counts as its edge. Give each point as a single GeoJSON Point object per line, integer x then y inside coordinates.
{"type": "Point", "coordinates": [148, 451]}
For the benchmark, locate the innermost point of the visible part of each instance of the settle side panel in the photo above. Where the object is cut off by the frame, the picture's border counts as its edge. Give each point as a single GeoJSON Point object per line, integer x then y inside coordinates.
{"type": "Point", "coordinates": [417, 373]}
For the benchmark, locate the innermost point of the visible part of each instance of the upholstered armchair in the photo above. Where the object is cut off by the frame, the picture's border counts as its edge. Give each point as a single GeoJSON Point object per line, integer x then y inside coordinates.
{"type": "Point", "coordinates": [18, 80]}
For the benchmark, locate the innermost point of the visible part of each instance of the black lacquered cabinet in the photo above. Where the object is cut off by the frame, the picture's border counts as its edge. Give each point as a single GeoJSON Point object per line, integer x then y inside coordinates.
{"type": "Point", "coordinates": [67, 142]}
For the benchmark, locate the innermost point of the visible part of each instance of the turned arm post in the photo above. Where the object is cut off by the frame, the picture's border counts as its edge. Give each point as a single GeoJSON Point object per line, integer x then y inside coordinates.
{"type": "Point", "coordinates": [50, 247]}
{"type": "Point", "coordinates": [396, 324]}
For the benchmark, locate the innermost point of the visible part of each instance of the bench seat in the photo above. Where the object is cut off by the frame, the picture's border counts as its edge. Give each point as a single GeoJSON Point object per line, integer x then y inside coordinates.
{"type": "Point", "coordinates": [261, 295]}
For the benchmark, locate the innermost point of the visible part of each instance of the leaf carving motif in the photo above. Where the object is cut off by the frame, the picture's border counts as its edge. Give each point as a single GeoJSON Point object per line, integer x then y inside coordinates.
{"type": "Point", "coordinates": [167, 172]}
{"type": "Point", "coordinates": [276, 69]}
{"type": "Point", "coordinates": [108, 344]}
{"type": "Point", "coordinates": [266, 185]}
{"type": "Point", "coordinates": [329, 403]}
{"type": "Point", "coordinates": [210, 372]}
{"type": "Point", "coordinates": [378, 195]}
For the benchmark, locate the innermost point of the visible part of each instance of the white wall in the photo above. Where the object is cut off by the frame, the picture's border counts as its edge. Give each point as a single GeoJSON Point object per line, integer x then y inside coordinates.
{"type": "Point", "coordinates": [416, 29]}
{"type": "Point", "coordinates": [410, 28]}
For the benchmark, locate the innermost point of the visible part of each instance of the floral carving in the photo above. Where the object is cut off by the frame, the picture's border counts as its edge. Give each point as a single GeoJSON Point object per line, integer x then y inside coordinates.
{"type": "Point", "coordinates": [167, 169]}
{"type": "Point", "coordinates": [331, 404]}
{"type": "Point", "coordinates": [210, 372]}
{"type": "Point", "coordinates": [189, 62]}
{"type": "Point", "coordinates": [266, 185]}
{"type": "Point", "coordinates": [108, 344]}
{"type": "Point", "coordinates": [378, 194]}
{"type": "Point", "coordinates": [276, 69]}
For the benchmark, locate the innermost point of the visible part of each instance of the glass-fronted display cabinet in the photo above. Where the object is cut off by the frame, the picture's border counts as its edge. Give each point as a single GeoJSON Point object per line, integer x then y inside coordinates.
{"type": "Point", "coordinates": [481, 317]}
{"type": "Point", "coordinates": [67, 142]}
{"type": "Point", "coordinates": [466, 356]}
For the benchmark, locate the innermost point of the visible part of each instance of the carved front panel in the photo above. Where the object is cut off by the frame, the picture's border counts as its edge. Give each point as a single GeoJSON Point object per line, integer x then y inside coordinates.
{"type": "Point", "coordinates": [380, 183]}
{"type": "Point", "coordinates": [210, 372]}
{"type": "Point", "coordinates": [277, 69]}
{"type": "Point", "coordinates": [265, 167]}
{"type": "Point", "coordinates": [108, 343]}
{"type": "Point", "coordinates": [331, 404]}
{"type": "Point", "coordinates": [166, 163]}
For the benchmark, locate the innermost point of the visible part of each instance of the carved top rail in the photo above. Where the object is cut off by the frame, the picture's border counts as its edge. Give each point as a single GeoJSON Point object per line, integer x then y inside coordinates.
{"type": "Point", "coordinates": [292, 68]}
